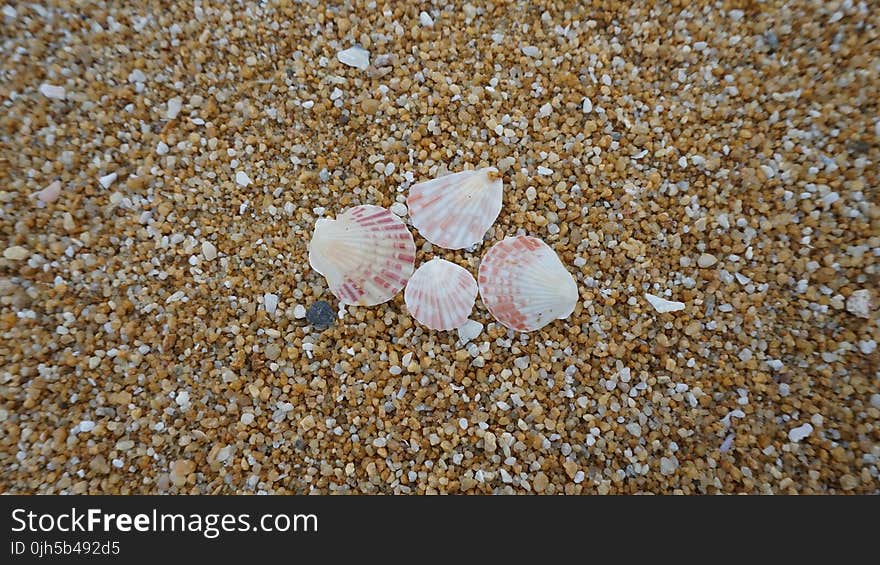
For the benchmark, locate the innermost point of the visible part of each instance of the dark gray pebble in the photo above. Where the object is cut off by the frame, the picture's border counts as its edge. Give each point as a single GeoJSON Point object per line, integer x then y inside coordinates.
{"type": "Point", "coordinates": [321, 315]}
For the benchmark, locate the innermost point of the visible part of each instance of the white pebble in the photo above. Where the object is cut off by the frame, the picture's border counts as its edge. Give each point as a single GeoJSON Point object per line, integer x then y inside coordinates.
{"type": "Point", "coordinates": [52, 91]}
{"type": "Point", "coordinates": [706, 260]}
{"type": "Point", "coordinates": [162, 148]}
{"type": "Point", "coordinates": [86, 426]}
{"type": "Point", "coordinates": [668, 465]}
{"type": "Point", "coordinates": [380, 442]}
{"type": "Point", "coordinates": [425, 19]}
{"type": "Point", "coordinates": [587, 106]}
{"type": "Point", "coordinates": [299, 311]}
{"type": "Point", "coordinates": [399, 209]}
{"type": "Point", "coordinates": [270, 301]}
{"type": "Point", "coordinates": [242, 179]}
{"type": "Point", "coordinates": [531, 51]}
{"type": "Point", "coordinates": [209, 251]}
{"type": "Point", "coordinates": [859, 303]}
{"type": "Point", "coordinates": [662, 305]}
{"type": "Point", "coordinates": [544, 171]}
{"type": "Point", "coordinates": [634, 428]}
{"type": "Point", "coordinates": [107, 180]}
{"type": "Point", "coordinates": [247, 418]}
{"type": "Point", "coordinates": [174, 106]}
{"type": "Point", "coordinates": [137, 75]}
{"type": "Point", "coordinates": [470, 330]}
{"type": "Point", "coordinates": [799, 433]}
{"type": "Point", "coordinates": [356, 57]}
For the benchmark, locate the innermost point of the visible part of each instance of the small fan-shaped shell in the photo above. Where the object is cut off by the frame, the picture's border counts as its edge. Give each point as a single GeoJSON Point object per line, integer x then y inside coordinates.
{"type": "Point", "coordinates": [366, 255]}
{"type": "Point", "coordinates": [456, 211]}
{"type": "Point", "coordinates": [441, 295]}
{"type": "Point", "coordinates": [524, 284]}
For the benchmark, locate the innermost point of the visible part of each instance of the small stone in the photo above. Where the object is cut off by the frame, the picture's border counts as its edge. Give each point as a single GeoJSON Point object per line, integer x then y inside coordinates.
{"type": "Point", "coordinates": [180, 470]}
{"type": "Point", "coordinates": [706, 260]}
{"type": "Point", "coordinates": [299, 311]}
{"type": "Point", "coordinates": [321, 315]}
{"type": "Point", "coordinates": [541, 481]}
{"type": "Point", "coordinates": [634, 428]}
{"type": "Point", "coordinates": [270, 302]}
{"type": "Point", "coordinates": [799, 433]}
{"type": "Point", "coordinates": [49, 194]}
{"type": "Point", "coordinates": [162, 148]}
{"type": "Point", "coordinates": [16, 253]}
{"type": "Point", "coordinates": [247, 418]}
{"type": "Point", "coordinates": [399, 209]}
{"type": "Point", "coordinates": [52, 92]}
{"type": "Point", "coordinates": [426, 20]}
{"type": "Point", "coordinates": [668, 465]}
{"type": "Point", "coordinates": [470, 330]}
{"type": "Point", "coordinates": [662, 305]}
{"type": "Point", "coordinates": [849, 482]}
{"type": "Point", "coordinates": [174, 107]}
{"type": "Point", "coordinates": [241, 178]}
{"type": "Point", "coordinates": [86, 426]}
{"type": "Point", "coordinates": [107, 180]}
{"type": "Point", "coordinates": [875, 400]}
{"type": "Point", "coordinates": [209, 250]}
{"type": "Point", "coordinates": [307, 423]}
{"type": "Point", "coordinates": [137, 75]}
{"type": "Point", "coordinates": [356, 57]}
{"type": "Point", "coordinates": [380, 442]}
{"type": "Point", "coordinates": [531, 51]}
{"type": "Point", "coordinates": [273, 351]}
{"type": "Point", "coordinates": [587, 106]}
{"type": "Point", "coordinates": [859, 303]}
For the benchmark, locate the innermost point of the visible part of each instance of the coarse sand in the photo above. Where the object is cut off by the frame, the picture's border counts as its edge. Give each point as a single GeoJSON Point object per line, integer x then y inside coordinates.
{"type": "Point", "coordinates": [162, 165]}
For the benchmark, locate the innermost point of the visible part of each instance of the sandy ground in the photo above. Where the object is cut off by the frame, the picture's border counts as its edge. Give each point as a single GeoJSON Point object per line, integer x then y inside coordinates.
{"type": "Point", "coordinates": [162, 165]}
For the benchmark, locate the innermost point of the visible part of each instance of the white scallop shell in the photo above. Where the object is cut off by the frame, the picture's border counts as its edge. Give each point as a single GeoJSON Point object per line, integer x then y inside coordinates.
{"type": "Point", "coordinates": [366, 254]}
{"type": "Point", "coordinates": [524, 284]}
{"type": "Point", "coordinates": [456, 211]}
{"type": "Point", "coordinates": [441, 295]}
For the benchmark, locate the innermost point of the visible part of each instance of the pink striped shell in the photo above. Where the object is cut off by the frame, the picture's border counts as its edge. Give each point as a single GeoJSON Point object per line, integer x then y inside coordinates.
{"type": "Point", "coordinates": [440, 295]}
{"type": "Point", "coordinates": [455, 211]}
{"type": "Point", "coordinates": [366, 254]}
{"type": "Point", "coordinates": [524, 284]}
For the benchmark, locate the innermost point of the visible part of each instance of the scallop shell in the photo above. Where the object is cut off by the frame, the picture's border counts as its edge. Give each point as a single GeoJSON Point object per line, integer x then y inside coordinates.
{"type": "Point", "coordinates": [524, 284]}
{"type": "Point", "coordinates": [441, 295]}
{"type": "Point", "coordinates": [456, 211]}
{"type": "Point", "coordinates": [366, 254]}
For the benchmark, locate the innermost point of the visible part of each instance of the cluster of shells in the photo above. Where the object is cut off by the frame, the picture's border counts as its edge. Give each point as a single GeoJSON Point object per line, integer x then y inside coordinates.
{"type": "Point", "coordinates": [367, 255]}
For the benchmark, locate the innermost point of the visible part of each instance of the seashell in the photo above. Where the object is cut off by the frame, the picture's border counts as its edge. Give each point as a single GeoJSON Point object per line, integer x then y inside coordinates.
{"type": "Point", "coordinates": [366, 254]}
{"type": "Point", "coordinates": [524, 284]}
{"type": "Point", "coordinates": [441, 295]}
{"type": "Point", "coordinates": [456, 211]}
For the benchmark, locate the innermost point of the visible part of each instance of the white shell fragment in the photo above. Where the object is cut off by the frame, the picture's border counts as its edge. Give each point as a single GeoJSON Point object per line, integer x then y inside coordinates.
{"type": "Point", "coordinates": [356, 57]}
{"type": "Point", "coordinates": [49, 194]}
{"type": "Point", "coordinates": [366, 254]}
{"type": "Point", "coordinates": [441, 295]}
{"type": "Point", "coordinates": [524, 284]}
{"type": "Point", "coordinates": [662, 305]}
{"type": "Point", "coordinates": [455, 211]}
